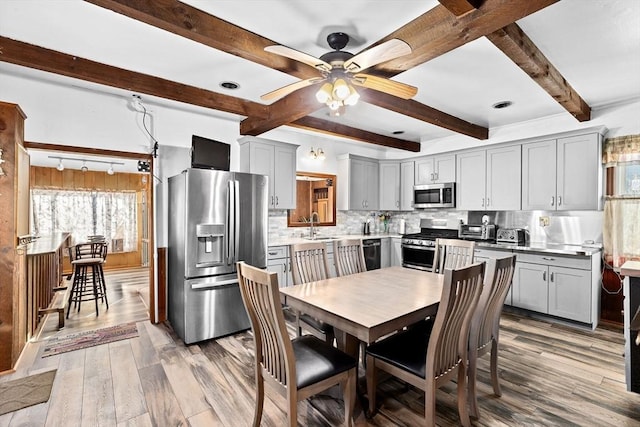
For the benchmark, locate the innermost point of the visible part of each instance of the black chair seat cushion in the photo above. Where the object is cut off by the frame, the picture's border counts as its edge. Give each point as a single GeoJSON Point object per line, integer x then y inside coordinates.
{"type": "Point", "coordinates": [407, 349]}
{"type": "Point", "coordinates": [317, 360]}
{"type": "Point", "coordinates": [315, 323]}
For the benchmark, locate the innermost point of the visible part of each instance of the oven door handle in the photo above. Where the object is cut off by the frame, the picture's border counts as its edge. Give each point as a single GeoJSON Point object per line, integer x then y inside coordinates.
{"type": "Point", "coordinates": [427, 248]}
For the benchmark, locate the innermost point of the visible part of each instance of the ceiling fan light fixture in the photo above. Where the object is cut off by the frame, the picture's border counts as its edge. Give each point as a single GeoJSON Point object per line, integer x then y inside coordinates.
{"type": "Point", "coordinates": [340, 89]}
{"type": "Point", "coordinates": [353, 97]}
{"type": "Point", "coordinates": [334, 104]}
{"type": "Point", "coordinates": [324, 94]}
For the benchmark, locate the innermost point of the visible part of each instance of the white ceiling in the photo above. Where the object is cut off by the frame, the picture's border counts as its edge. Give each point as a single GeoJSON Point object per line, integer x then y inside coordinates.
{"type": "Point", "coordinates": [595, 44]}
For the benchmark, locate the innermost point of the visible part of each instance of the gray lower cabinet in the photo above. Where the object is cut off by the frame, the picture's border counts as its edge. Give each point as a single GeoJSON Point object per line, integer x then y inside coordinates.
{"type": "Point", "coordinates": [481, 254]}
{"type": "Point", "coordinates": [396, 251]}
{"type": "Point", "coordinates": [561, 286]}
{"type": "Point", "coordinates": [385, 252]}
{"type": "Point", "coordinates": [278, 262]}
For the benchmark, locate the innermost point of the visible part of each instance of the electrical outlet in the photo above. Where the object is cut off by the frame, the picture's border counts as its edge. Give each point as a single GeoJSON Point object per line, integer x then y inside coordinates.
{"type": "Point", "coordinates": [544, 221]}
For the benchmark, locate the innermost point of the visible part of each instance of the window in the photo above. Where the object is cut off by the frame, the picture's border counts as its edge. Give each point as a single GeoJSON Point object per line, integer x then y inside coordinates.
{"type": "Point", "coordinates": [86, 213]}
{"type": "Point", "coordinates": [621, 236]}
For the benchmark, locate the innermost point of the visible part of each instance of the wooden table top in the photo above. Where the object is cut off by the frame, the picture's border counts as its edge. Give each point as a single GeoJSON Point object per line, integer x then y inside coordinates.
{"type": "Point", "coordinates": [371, 304]}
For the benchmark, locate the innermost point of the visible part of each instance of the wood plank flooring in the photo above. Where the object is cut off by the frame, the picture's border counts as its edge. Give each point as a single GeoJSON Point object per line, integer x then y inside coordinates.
{"type": "Point", "coordinates": [551, 375]}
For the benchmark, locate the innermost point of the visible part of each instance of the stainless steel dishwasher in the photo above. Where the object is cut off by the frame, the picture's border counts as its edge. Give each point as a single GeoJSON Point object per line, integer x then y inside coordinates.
{"type": "Point", "coordinates": [372, 249]}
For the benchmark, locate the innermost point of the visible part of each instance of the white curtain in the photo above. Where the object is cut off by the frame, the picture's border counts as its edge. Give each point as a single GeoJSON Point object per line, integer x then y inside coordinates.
{"type": "Point", "coordinates": [86, 213]}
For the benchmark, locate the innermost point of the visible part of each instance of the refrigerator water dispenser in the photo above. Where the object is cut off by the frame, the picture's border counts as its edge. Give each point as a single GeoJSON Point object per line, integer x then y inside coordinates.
{"type": "Point", "coordinates": [210, 245]}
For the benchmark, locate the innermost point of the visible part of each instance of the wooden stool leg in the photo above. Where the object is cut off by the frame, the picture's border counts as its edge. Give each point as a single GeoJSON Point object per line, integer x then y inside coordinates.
{"type": "Point", "coordinates": [95, 287]}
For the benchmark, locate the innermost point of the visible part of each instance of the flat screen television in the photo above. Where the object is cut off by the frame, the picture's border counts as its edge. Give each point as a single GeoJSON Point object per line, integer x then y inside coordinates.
{"type": "Point", "coordinates": [209, 154]}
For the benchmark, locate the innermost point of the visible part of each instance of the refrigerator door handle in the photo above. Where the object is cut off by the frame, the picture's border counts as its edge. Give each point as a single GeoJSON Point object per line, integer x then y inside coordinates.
{"type": "Point", "coordinates": [213, 285]}
{"type": "Point", "coordinates": [236, 228]}
{"type": "Point", "coordinates": [231, 227]}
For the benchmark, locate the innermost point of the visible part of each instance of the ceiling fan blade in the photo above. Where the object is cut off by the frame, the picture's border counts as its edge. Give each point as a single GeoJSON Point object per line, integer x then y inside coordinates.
{"type": "Point", "coordinates": [383, 52]}
{"type": "Point", "coordinates": [286, 90]}
{"type": "Point", "coordinates": [296, 55]}
{"type": "Point", "coordinates": [392, 87]}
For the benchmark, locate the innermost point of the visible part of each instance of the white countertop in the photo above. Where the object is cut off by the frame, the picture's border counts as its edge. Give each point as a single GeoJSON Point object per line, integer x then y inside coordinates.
{"type": "Point", "coordinates": [553, 248]}
{"type": "Point", "coordinates": [283, 241]}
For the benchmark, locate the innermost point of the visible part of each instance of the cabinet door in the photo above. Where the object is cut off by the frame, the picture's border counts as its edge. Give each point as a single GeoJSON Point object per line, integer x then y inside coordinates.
{"type": "Point", "coordinates": [424, 171]}
{"type": "Point", "coordinates": [504, 178]}
{"type": "Point", "coordinates": [262, 163]}
{"type": "Point", "coordinates": [407, 170]}
{"type": "Point", "coordinates": [530, 287]}
{"type": "Point", "coordinates": [385, 252]}
{"type": "Point", "coordinates": [470, 186]}
{"type": "Point", "coordinates": [389, 186]}
{"type": "Point", "coordinates": [396, 251]}
{"type": "Point", "coordinates": [357, 178]}
{"type": "Point", "coordinates": [284, 183]}
{"type": "Point", "coordinates": [372, 186]}
{"type": "Point", "coordinates": [539, 175]}
{"type": "Point", "coordinates": [444, 168]}
{"type": "Point", "coordinates": [578, 166]}
{"type": "Point", "coordinates": [570, 293]}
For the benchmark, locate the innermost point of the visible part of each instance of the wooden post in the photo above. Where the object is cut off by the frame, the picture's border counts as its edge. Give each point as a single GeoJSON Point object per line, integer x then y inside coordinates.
{"type": "Point", "coordinates": [14, 221]}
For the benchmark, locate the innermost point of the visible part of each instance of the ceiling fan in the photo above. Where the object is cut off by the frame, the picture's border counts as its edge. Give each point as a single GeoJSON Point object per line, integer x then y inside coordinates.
{"type": "Point", "coordinates": [339, 69]}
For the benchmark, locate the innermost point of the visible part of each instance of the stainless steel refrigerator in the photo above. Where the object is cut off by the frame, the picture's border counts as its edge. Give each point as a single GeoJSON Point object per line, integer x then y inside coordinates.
{"type": "Point", "coordinates": [216, 218]}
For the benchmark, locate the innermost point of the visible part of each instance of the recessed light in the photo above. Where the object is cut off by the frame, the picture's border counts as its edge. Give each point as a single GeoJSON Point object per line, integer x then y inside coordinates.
{"type": "Point", "coordinates": [230, 85]}
{"type": "Point", "coordinates": [397, 132]}
{"type": "Point", "coordinates": [502, 104]}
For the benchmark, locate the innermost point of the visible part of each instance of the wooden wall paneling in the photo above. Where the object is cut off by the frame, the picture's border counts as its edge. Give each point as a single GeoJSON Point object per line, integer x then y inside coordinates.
{"type": "Point", "coordinates": [78, 180]}
{"type": "Point", "coordinates": [22, 192]}
{"type": "Point", "coordinates": [111, 182]}
{"type": "Point", "coordinates": [99, 180]}
{"type": "Point", "coordinates": [20, 301]}
{"type": "Point", "coordinates": [67, 179]}
{"type": "Point", "coordinates": [56, 178]}
{"type": "Point", "coordinates": [162, 285]}
{"type": "Point", "coordinates": [90, 180]}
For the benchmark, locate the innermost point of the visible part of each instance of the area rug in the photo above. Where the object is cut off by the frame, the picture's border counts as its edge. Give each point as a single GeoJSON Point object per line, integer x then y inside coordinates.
{"type": "Point", "coordinates": [27, 391]}
{"type": "Point", "coordinates": [89, 339]}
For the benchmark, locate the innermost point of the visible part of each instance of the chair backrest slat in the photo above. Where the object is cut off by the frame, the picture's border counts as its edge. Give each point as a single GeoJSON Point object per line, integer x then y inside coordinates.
{"type": "Point", "coordinates": [308, 262]}
{"type": "Point", "coordinates": [261, 297]}
{"type": "Point", "coordinates": [449, 339]}
{"type": "Point", "coordinates": [486, 320]}
{"type": "Point", "coordinates": [349, 256]}
{"type": "Point", "coordinates": [452, 253]}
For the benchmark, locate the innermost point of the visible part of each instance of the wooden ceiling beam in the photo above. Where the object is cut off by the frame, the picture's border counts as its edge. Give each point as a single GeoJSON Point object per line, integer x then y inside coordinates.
{"type": "Point", "coordinates": [460, 7]}
{"type": "Point", "coordinates": [411, 108]}
{"type": "Point", "coordinates": [286, 110]}
{"type": "Point", "coordinates": [439, 31]}
{"type": "Point", "coordinates": [28, 55]}
{"type": "Point", "coordinates": [194, 24]}
{"type": "Point", "coordinates": [336, 129]}
{"type": "Point", "coordinates": [514, 43]}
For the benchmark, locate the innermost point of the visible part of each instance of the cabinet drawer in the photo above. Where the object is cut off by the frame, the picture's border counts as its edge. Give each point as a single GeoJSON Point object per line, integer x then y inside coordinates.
{"type": "Point", "coordinates": [489, 253]}
{"type": "Point", "coordinates": [582, 263]}
{"type": "Point", "coordinates": [275, 252]}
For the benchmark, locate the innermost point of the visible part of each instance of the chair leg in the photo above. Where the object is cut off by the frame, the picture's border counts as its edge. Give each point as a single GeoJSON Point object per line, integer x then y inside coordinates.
{"type": "Point", "coordinates": [329, 337]}
{"type": "Point", "coordinates": [462, 396]}
{"type": "Point", "coordinates": [257, 415]}
{"type": "Point", "coordinates": [292, 414]}
{"type": "Point", "coordinates": [472, 372]}
{"type": "Point", "coordinates": [298, 326]}
{"type": "Point", "coordinates": [94, 277]}
{"type": "Point", "coordinates": [430, 403]}
{"type": "Point", "coordinates": [349, 396]}
{"type": "Point", "coordinates": [494, 368]}
{"type": "Point", "coordinates": [372, 379]}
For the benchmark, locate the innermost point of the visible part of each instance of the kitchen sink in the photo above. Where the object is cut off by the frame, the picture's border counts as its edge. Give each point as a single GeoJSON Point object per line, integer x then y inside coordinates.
{"type": "Point", "coordinates": [321, 238]}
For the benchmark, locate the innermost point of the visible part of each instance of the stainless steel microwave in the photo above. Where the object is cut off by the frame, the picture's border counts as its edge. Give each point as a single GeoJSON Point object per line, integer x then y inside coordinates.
{"type": "Point", "coordinates": [434, 195]}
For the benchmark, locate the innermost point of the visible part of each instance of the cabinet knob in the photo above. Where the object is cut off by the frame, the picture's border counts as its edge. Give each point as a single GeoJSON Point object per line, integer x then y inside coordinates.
{"type": "Point", "coordinates": [551, 277]}
{"type": "Point", "coordinates": [544, 276]}
{"type": "Point", "coordinates": [553, 200]}
{"type": "Point", "coordinates": [559, 200]}
{"type": "Point", "coordinates": [276, 200]}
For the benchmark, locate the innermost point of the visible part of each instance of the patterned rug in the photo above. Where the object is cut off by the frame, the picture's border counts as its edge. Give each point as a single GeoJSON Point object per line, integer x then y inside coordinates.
{"type": "Point", "coordinates": [89, 339]}
{"type": "Point", "coordinates": [27, 391]}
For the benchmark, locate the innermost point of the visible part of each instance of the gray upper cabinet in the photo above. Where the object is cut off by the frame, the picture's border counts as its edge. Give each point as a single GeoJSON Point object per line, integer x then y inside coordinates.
{"type": "Point", "coordinates": [275, 159]}
{"type": "Point", "coordinates": [435, 169]}
{"type": "Point", "coordinates": [563, 173]}
{"type": "Point", "coordinates": [489, 179]}
{"type": "Point", "coordinates": [407, 177]}
{"type": "Point", "coordinates": [389, 185]}
{"type": "Point", "coordinates": [358, 181]}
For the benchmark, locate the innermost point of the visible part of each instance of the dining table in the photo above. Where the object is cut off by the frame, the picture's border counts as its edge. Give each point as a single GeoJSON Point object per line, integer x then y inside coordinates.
{"type": "Point", "coordinates": [364, 307]}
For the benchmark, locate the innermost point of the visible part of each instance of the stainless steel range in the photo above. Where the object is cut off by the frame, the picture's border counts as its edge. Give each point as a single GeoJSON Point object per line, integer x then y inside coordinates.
{"type": "Point", "coordinates": [418, 249]}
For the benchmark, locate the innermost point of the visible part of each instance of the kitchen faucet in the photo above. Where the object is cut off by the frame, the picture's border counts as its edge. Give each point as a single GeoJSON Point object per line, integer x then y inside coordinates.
{"type": "Point", "coordinates": [312, 231]}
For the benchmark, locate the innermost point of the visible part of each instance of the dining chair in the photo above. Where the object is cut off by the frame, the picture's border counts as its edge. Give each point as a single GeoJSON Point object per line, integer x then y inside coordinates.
{"type": "Point", "coordinates": [348, 256]}
{"type": "Point", "coordinates": [297, 368]}
{"type": "Point", "coordinates": [452, 253]}
{"type": "Point", "coordinates": [431, 354]}
{"type": "Point", "coordinates": [485, 325]}
{"type": "Point", "coordinates": [308, 264]}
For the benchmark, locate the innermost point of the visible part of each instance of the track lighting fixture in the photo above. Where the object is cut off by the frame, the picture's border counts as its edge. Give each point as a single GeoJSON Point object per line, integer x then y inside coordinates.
{"type": "Point", "coordinates": [60, 166]}
{"type": "Point", "coordinates": [84, 167]}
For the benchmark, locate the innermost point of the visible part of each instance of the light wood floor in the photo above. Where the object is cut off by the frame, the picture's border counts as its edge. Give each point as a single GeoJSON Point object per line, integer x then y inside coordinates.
{"type": "Point", "coordinates": [551, 375]}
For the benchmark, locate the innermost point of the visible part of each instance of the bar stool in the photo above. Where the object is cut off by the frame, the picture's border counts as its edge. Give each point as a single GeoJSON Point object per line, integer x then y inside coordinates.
{"type": "Point", "coordinates": [88, 281]}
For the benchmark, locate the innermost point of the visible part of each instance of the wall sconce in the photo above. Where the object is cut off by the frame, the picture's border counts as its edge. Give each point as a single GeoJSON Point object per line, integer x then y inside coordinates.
{"type": "Point", "coordinates": [84, 167]}
{"type": "Point", "coordinates": [316, 154]}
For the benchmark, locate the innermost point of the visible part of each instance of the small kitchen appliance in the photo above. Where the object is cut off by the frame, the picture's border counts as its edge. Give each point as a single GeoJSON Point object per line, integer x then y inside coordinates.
{"type": "Point", "coordinates": [484, 232]}
{"type": "Point", "coordinates": [513, 236]}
